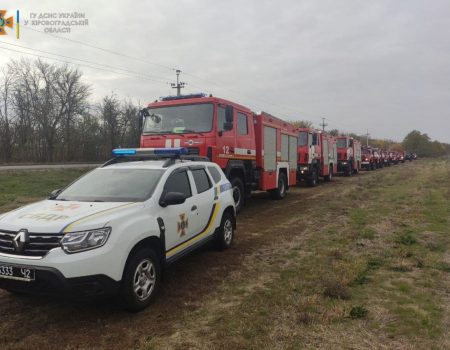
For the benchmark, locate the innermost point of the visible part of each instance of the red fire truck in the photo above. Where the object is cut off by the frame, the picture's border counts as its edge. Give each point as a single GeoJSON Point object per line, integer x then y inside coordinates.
{"type": "Point", "coordinates": [256, 151]}
{"type": "Point", "coordinates": [385, 157]}
{"type": "Point", "coordinates": [317, 156]}
{"type": "Point", "coordinates": [349, 155]}
{"type": "Point", "coordinates": [368, 161]}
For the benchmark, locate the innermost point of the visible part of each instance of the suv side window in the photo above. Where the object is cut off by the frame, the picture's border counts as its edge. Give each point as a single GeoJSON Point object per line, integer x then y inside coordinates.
{"type": "Point", "coordinates": [215, 174]}
{"type": "Point", "coordinates": [201, 180]}
{"type": "Point", "coordinates": [178, 182]}
{"type": "Point", "coordinates": [242, 124]}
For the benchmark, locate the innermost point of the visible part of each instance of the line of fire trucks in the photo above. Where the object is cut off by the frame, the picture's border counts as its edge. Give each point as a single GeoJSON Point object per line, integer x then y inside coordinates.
{"type": "Point", "coordinates": [257, 151]}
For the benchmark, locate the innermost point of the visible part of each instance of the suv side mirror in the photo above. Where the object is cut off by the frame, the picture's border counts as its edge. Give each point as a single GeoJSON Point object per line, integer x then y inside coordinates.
{"type": "Point", "coordinates": [55, 193]}
{"type": "Point", "coordinates": [172, 198]}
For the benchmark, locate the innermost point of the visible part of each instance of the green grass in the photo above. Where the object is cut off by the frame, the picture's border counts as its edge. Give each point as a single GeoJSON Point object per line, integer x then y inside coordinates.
{"type": "Point", "coordinates": [22, 187]}
{"type": "Point", "coordinates": [377, 262]}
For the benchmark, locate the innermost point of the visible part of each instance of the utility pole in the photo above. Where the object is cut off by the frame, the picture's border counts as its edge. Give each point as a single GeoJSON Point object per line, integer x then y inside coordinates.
{"type": "Point", "coordinates": [367, 138]}
{"type": "Point", "coordinates": [323, 124]}
{"type": "Point", "coordinates": [179, 85]}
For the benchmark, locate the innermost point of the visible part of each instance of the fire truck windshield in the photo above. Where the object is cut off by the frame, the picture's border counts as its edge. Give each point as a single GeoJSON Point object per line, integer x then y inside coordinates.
{"type": "Point", "coordinates": [341, 143]}
{"type": "Point", "coordinates": [302, 138]}
{"type": "Point", "coordinates": [196, 118]}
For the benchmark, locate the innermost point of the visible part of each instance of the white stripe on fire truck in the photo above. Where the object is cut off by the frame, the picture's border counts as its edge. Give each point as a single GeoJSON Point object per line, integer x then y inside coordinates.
{"type": "Point", "coordinates": [245, 151]}
{"type": "Point", "coordinates": [168, 143]}
{"type": "Point", "coordinates": [176, 143]}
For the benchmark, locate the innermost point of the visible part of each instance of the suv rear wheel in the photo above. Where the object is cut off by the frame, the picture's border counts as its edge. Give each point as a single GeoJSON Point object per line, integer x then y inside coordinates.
{"type": "Point", "coordinates": [141, 279]}
{"type": "Point", "coordinates": [225, 233]}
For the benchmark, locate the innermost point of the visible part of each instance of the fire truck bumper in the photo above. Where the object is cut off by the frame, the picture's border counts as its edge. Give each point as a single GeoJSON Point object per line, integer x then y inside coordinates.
{"type": "Point", "coordinates": [342, 165]}
{"type": "Point", "coordinates": [303, 173]}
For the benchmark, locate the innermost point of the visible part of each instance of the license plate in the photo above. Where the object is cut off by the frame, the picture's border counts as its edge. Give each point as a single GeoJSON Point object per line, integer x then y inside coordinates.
{"type": "Point", "coordinates": [16, 273]}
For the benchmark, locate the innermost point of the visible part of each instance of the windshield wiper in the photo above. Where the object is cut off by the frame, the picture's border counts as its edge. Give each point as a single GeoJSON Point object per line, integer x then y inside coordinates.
{"type": "Point", "coordinates": [186, 131]}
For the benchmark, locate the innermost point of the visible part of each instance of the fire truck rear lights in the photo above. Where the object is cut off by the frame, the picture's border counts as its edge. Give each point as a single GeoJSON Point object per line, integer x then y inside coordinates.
{"type": "Point", "coordinates": [150, 151]}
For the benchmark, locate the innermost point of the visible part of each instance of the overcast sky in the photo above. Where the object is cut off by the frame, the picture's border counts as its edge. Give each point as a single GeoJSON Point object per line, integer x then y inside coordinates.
{"type": "Point", "coordinates": [377, 65]}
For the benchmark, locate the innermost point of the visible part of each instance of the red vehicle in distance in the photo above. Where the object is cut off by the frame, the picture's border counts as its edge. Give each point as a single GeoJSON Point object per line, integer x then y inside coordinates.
{"type": "Point", "coordinates": [349, 155]}
{"type": "Point", "coordinates": [385, 158]}
{"type": "Point", "coordinates": [317, 156]}
{"type": "Point", "coordinates": [367, 159]}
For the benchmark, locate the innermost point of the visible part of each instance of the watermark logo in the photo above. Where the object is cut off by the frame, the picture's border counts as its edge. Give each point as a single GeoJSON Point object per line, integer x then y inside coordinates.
{"type": "Point", "coordinates": [8, 22]}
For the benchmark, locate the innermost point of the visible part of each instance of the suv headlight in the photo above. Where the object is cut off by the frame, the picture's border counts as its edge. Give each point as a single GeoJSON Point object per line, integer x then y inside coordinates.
{"type": "Point", "coordinates": [74, 242]}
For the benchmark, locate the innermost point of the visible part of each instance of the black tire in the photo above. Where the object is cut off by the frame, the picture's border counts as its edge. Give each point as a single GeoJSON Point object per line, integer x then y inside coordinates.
{"type": "Point", "coordinates": [348, 170]}
{"type": "Point", "coordinates": [225, 233]}
{"type": "Point", "coordinates": [281, 191]}
{"type": "Point", "coordinates": [329, 177]}
{"type": "Point", "coordinates": [238, 193]}
{"type": "Point", "coordinates": [312, 181]}
{"type": "Point", "coordinates": [16, 293]}
{"type": "Point", "coordinates": [133, 300]}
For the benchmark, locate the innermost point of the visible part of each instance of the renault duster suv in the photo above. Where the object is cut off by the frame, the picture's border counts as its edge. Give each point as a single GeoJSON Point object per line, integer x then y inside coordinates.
{"type": "Point", "coordinates": [115, 228]}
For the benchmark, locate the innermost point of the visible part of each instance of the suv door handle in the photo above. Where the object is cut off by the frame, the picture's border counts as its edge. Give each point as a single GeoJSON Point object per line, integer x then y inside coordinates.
{"type": "Point", "coordinates": [194, 207]}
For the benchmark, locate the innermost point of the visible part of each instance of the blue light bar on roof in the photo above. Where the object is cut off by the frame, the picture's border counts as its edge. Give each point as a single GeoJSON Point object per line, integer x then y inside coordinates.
{"type": "Point", "coordinates": [124, 151]}
{"type": "Point", "coordinates": [177, 151]}
{"type": "Point", "coordinates": [182, 97]}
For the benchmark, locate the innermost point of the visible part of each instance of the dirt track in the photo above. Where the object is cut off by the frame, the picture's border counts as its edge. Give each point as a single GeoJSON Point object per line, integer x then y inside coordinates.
{"type": "Point", "coordinates": [40, 322]}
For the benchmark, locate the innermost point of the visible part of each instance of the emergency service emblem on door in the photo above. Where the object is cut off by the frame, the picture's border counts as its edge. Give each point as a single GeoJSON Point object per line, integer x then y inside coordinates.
{"type": "Point", "coordinates": [183, 225]}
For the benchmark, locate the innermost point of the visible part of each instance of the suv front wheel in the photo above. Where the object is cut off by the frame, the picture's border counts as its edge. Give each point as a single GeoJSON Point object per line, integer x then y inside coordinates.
{"type": "Point", "coordinates": [141, 279]}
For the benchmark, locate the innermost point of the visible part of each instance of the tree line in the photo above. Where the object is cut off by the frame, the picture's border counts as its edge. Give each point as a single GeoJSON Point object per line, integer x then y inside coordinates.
{"type": "Point", "coordinates": [46, 116]}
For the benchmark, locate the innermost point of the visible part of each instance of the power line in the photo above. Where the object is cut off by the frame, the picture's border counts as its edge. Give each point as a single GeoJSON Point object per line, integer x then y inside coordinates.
{"type": "Point", "coordinates": [99, 48]}
{"type": "Point", "coordinates": [86, 61]}
{"type": "Point", "coordinates": [286, 108]}
{"type": "Point", "coordinates": [81, 65]}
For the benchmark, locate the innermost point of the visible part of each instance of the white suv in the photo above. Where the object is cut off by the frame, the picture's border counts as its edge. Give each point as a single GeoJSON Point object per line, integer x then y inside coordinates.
{"type": "Point", "coordinates": [115, 228]}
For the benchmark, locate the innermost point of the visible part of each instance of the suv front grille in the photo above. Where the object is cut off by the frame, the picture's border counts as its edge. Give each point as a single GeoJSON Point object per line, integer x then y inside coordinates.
{"type": "Point", "coordinates": [39, 243]}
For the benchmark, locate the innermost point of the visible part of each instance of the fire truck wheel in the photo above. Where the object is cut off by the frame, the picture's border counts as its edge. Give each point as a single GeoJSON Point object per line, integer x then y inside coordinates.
{"type": "Point", "coordinates": [348, 170]}
{"type": "Point", "coordinates": [329, 177]}
{"type": "Point", "coordinates": [238, 192]}
{"type": "Point", "coordinates": [312, 181]}
{"type": "Point", "coordinates": [280, 192]}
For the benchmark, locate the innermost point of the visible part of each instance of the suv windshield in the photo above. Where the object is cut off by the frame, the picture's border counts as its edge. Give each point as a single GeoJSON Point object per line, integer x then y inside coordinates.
{"type": "Point", "coordinates": [113, 185]}
{"type": "Point", "coordinates": [341, 143]}
{"type": "Point", "coordinates": [302, 138]}
{"type": "Point", "coordinates": [179, 119]}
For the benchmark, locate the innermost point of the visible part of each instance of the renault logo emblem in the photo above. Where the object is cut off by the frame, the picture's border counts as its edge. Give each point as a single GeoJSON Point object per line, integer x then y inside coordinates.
{"type": "Point", "coordinates": [20, 240]}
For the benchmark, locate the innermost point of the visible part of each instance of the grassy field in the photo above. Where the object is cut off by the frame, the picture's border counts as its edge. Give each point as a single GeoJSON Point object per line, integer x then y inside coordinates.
{"type": "Point", "coordinates": [361, 263]}
{"type": "Point", "coordinates": [368, 268]}
{"type": "Point", "coordinates": [21, 187]}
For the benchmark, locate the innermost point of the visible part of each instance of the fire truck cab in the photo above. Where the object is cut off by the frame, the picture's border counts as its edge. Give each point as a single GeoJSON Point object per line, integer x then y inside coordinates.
{"type": "Point", "coordinates": [317, 156]}
{"type": "Point", "coordinates": [255, 151]}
